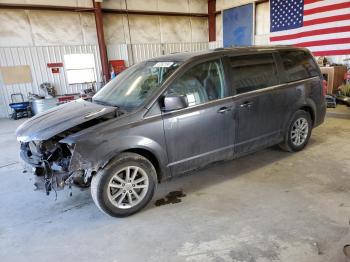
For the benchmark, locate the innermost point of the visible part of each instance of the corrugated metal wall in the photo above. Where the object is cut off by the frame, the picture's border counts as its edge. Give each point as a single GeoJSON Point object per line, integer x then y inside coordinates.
{"type": "Point", "coordinates": [118, 52]}
{"type": "Point", "coordinates": [216, 44]}
{"type": "Point", "coordinates": [185, 47]}
{"type": "Point", "coordinates": [136, 53]}
{"type": "Point", "coordinates": [141, 52]}
{"type": "Point", "coordinates": [37, 58]}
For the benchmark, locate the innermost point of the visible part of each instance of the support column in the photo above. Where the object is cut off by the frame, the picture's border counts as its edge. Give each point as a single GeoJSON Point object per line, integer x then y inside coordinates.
{"type": "Point", "coordinates": [101, 39]}
{"type": "Point", "coordinates": [212, 20]}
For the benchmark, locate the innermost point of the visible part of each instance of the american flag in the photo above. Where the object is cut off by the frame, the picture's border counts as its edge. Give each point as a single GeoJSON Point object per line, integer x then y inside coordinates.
{"type": "Point", "coordinates": [322, 26]}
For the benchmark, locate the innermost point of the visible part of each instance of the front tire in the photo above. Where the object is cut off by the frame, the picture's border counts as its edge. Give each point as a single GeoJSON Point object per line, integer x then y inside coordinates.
{"type": "Point", "coordinates": [125, 186]}
{"type": "Point", "coordinates": [298, 133]}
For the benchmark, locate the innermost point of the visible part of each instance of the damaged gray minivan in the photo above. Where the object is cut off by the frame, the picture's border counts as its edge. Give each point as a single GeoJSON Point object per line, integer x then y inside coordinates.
{"type": "Point", "coordinates": [173, 114]}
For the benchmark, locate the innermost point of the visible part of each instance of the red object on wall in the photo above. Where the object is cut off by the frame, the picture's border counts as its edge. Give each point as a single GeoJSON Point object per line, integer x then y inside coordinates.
{"type": "Point", "coordinates": [54, 65]}
{"type": "Point", "coordinates": [118, 65]}
{"type": "Point", "coordinates": [55, 70]}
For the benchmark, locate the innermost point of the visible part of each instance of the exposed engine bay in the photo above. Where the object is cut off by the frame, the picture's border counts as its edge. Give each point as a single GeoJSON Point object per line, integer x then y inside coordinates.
{"type": "Point", "coordinates": [50, 159]}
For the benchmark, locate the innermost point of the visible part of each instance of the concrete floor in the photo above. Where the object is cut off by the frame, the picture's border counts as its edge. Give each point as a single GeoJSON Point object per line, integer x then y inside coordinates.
{"type": "Point", "coordinates": [269, 206]}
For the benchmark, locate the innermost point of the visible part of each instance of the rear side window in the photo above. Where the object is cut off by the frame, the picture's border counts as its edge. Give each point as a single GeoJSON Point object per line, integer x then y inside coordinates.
{"type": "Point", "coordinates": [253, 72]}
{"type": "Point", "coordinates": [298, 65]}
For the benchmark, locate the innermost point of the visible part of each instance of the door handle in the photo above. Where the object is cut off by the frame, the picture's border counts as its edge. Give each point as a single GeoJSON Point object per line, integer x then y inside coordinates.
{"type": "Point", "coordinates": [224, 109]}
{"type": "Point", "coordinates": [246, 104]}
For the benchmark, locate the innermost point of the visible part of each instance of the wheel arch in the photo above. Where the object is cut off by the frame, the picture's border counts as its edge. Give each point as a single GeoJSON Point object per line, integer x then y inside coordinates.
{"type": "Point", "coordinates": [151, 157]}
{"type": "Point", "coordinates": [310, 107]}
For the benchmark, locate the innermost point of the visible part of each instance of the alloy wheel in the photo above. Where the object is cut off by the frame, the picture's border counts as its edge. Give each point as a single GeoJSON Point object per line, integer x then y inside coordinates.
{"type": "Point", "coordinates": [128, 187]}
{"type": "Point", "coordinates": [299, 132]}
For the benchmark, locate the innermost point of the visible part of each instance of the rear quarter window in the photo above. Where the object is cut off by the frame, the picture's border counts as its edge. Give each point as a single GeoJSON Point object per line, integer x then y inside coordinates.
{"type": "Point", "coordinates": [298, 65]}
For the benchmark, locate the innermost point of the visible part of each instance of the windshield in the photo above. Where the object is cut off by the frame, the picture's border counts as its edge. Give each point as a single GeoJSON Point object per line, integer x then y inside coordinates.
{"type": "Point", "coordinates": [133, 86]}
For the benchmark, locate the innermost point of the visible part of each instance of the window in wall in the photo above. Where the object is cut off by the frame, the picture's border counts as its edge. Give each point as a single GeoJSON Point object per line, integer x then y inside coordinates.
{"type": "Point", "coordinates": [298, 65]}
{"type": "Point", "coordinates": [80, 68]}
{"type": "Point", "coordinates": [253, 72]}
{"type": "Point", "coordinates": [200, 84]}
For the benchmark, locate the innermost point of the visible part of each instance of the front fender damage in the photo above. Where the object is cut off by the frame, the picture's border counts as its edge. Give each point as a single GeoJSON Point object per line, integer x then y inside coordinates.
{"type": "Point", "coordinates": [57, 163]}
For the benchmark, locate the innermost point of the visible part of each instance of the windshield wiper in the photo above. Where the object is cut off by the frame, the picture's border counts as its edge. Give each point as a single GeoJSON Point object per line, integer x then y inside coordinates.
{"type": "Point", "coordinates": [100, 102]}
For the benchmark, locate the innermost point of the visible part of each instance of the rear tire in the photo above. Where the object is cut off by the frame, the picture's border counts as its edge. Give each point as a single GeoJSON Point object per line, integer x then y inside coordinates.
{"type": "Point", "coordinates": [125, 186]}
{"type": "Point", "coordinates": [298, 132]}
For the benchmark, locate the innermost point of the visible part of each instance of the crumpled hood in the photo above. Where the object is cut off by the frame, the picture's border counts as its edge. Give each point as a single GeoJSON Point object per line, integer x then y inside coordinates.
{"type": "Point", "coordinates": [56, 120]}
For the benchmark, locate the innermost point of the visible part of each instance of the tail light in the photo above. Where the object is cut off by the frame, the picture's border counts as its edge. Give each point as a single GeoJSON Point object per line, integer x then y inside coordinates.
{"type": "Point", "coordinates": [324, 88]}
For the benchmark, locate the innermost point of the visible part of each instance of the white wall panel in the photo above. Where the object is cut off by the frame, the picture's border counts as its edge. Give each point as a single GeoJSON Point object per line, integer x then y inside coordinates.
{"type": "Point", "coordinates": [142, 52]}
{"type": "Point", "coordinates": [56, 28]}
{"type": "Point", "coordinates": [118, 52]}
{"type": "Point", "coordinates": [74, 3]}
{"type": "Point", "coordinates": [42, 28]}
{"type": "Point", "coordinates": [144, 29]}
{"type": "Point", "coordinates": [262, 18]}
{"type": "Point", "coordinates": [113, 4]}
{"type": "Point", "coordinates": [199, 29]}
{"type": "Point", "coordinates": [219, 5]}
{"type": "Point", "coordinates": [226, 4]}
{"type": "Point", "coordinates": [262, 39]}
{"type": "Point", "coordinates": [219, 27]}
{"type": "Point", "coordinates": [187, 6]}
{"type": "Point", "coordinates": [149, 5]}
{"type": "Point", "coordinates": [154, 29]}
{"type": "Point", "coordinates": [88, 27]}
{"type": "Point", "coordinates": [15, 28]}
{"type": "Point", "coordinates": [198, 6]}
{"type": "Point", "coordinates": [173, 6]}
{"type": "Point", "coordinates": [37, 58]}
{"type": "Point", "coordinates": [139, 52]}
{"type": "Point", "coordinates": [114, 30]}
{"type": "Point", "coordinates": [185, 47]}
{"type": "Point", "coordinates": [59, 2]}
{"type": "Point", "coordinates": [175, 29]}
{"type": "Point", "coordinates": [216, 44]}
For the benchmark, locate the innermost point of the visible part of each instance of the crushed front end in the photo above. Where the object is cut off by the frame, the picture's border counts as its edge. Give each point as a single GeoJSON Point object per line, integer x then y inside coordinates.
{"type": "Point", "coordinates": [50, 161]}
{"type": "Point", "coordinates": [55, 161]}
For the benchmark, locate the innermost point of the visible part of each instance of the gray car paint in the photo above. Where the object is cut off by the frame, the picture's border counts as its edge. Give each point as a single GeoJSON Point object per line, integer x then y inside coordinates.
{"type": "Point", "coordinates": [175, 145]}
{"type": "Point", "coordinates": [59, 119]}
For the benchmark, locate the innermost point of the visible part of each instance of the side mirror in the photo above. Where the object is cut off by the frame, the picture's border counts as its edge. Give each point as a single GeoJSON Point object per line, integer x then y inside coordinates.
{"type": "Point", "coordinates": [175, 102]}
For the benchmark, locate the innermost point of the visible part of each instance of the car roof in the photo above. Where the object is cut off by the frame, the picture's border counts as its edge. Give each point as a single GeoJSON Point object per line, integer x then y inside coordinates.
{"type": "Point", "coordinates": [184, 56]}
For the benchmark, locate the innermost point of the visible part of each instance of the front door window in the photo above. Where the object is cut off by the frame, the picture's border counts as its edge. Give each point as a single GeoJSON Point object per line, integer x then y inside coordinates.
{"type": "Point", "coordinates": [202, 83]}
